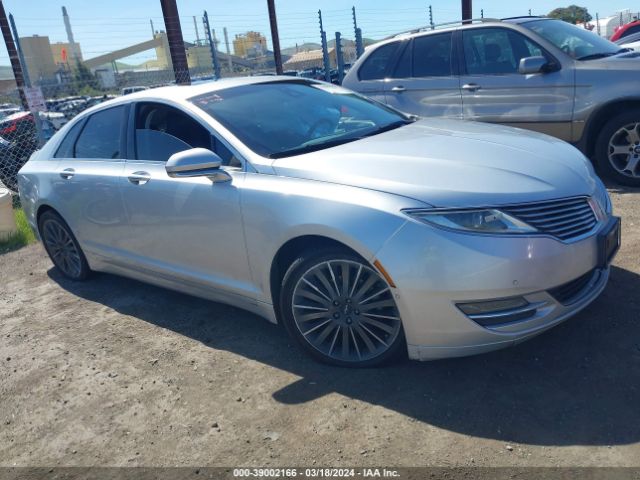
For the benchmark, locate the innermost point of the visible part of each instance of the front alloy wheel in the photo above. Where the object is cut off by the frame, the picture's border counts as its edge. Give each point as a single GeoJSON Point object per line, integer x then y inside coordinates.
{"type": "Point", "coordinates": [342, 311]}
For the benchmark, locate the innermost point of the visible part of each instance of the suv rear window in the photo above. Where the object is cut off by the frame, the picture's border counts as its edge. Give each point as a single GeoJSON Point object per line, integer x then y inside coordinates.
{"type": "Point", "coordinates": [376, 65]}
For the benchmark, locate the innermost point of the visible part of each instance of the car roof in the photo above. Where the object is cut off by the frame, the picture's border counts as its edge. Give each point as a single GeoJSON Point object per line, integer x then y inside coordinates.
{"type": "Point", "coordinates": [181, 93]}
{"type": "Point", "coordinates": [16, 116]}
{"type": "Point", "coordinates": [184, 92]}
{"type": "Point", "coordinates": [457, 25]}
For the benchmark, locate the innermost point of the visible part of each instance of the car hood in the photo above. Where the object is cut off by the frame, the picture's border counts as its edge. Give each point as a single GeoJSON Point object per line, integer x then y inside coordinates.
{"type": "Point", "coordinates": [629, 61]}
{"type": "Point", "coordinates": [449, 163]}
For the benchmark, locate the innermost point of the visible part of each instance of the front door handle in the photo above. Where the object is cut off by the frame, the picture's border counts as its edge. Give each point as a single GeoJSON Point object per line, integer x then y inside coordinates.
{"type": "Point", "coordinates": [471, 87]}
{"type": "Point", "coordinates": [139, 178]}
{"type": "Point", "coordinates": [398, 89]}
{"type": "Point", "coordinates": [67, 173]}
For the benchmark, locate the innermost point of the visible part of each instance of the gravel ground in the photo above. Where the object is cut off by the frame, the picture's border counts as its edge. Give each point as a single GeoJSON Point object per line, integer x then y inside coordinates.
{"type": "Point", "coordinates": [113, 372]}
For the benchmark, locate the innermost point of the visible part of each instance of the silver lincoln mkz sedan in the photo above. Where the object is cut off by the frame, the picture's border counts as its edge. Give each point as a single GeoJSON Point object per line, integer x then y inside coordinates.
{"type": "Point", "coordinates": [360, 229]}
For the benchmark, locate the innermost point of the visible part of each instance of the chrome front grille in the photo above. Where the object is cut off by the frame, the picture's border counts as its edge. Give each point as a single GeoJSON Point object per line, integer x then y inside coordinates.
{"type": "Point", "coordinates": [564, 219]}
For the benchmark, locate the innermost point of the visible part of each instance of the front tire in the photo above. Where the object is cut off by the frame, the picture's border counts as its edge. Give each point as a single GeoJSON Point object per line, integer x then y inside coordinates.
{"type": "Point", "coordinates": [62, 246]}
{"type": "Point", "coordinates": [340, 310]}
{"type": "Point", "coordinates": [617, 151]}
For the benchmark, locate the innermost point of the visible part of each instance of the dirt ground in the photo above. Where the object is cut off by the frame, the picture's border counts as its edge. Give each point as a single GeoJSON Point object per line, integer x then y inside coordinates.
{"type": "Point", "coordinates": [115, 372]}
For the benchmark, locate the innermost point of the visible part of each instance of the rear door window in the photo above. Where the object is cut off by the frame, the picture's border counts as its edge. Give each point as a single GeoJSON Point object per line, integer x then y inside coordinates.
{"type": "Point", "coordinates": [65, 150]}
{"type": "Point", "coordinates": [403, 67]}
{"type": "Point", "coordinates": [377, 63]}
{"type": "Point", "coordinates": [101, 135]}
{"type": "Point", "coordinates": [432, 56]}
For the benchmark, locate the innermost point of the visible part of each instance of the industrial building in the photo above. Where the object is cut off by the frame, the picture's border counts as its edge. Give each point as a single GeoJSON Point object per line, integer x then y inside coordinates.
{"type": "Point", "coordinates": [250, 45]}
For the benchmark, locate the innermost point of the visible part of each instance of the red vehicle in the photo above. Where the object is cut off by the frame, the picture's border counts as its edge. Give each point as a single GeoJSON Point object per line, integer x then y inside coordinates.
{"type": "Point", "coordinates": [624, 30]}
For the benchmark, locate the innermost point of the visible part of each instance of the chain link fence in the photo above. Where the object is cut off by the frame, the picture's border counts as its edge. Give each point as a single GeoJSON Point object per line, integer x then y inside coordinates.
{"type": "Point", "coordinates": [18, 140]}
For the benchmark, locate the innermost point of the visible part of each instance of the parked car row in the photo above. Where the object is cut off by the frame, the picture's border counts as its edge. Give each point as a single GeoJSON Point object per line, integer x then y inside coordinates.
{"type": "Point", "coordinates": [71, 106]}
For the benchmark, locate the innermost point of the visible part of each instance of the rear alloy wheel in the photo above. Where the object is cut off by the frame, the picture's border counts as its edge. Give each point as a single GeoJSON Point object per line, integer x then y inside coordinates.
{"type": "Point", "coordinates": [62, 246]}
{"type": "Point", "coordinates": [618, 149]}
{"type": "Point", "coordinates": [341, 310]}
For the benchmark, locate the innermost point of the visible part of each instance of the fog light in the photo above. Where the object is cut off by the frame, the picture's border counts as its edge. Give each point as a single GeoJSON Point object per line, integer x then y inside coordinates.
{"type": "Point", "coordinates": [492, 306]}
{"type": "Point", "coordinates": [491, 313]}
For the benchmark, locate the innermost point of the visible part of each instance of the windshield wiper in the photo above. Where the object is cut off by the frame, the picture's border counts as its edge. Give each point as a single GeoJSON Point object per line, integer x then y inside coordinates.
{"type": "Point", "coordinates": [386, 128]}
{"type": "Point", "coordinates": [594, 56]}
{"type": "Point", "coordinates": [313, 147]}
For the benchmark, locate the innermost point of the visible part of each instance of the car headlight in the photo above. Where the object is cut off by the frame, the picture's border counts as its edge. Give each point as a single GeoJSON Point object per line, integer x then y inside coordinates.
{"type": "Point", "coordinates": [479, 221]}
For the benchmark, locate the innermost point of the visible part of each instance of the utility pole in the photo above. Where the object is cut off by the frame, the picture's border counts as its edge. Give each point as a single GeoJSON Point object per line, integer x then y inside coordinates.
{"type": "Point", "coordinates": [212, 46]}
{"type": "Point", "coordinates": [13, 55]}
{"type": "Point", "coordinates": [275, 39]}
{"type": "Point", "coordinates": [176, 42]}
{"type": "Point", "coordinates": [25, 73]}
{"type": "Point", "coordinates": [25, 70]}
{"type": "Point", "coordinates": [153, 32]}
{"type": "Point", "coordinates": [431, 17]}
{"type": "Point", "coordinates": [467, 11]}
{"type": "Point", "coordinates": [598, 24]}
{"type": "Point", "coordinates": [226, 43]}
{"type": "Point", "coordinates": [195, 24]}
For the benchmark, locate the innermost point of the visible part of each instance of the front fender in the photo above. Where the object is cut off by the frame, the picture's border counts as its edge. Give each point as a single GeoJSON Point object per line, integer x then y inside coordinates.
{"type": "Point", "coordinates": [278, 209]}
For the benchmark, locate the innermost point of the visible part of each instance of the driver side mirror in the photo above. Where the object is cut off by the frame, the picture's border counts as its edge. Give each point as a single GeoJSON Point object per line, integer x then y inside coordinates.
{"type": "Point", "coordinates": [196, 162]}
{"type": "Point", "coordinates": [529, 65]}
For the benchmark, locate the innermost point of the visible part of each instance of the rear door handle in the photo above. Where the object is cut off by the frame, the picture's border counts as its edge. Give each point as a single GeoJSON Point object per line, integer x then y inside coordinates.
{"type": "Point", "coordinates": [67, 173]}
{"type": "Point", "coordinates": [398, 89]}
{"type": "Point", "coordinates": [139, 178]}
{"type": "Point", "coordinates": [471, 87]}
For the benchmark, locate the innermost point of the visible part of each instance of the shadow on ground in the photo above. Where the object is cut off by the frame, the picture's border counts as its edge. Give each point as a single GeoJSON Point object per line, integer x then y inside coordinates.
{"type": "Point", "coordinates": [578, 384]}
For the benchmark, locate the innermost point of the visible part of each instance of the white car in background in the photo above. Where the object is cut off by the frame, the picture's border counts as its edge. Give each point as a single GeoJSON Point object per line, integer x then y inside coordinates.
{"type": "Point", "coordinates": [630, 41]}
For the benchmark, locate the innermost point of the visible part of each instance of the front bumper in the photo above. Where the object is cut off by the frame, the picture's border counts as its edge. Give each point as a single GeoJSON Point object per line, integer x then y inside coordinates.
{"type": "Point", "coordinates": [434, 270]}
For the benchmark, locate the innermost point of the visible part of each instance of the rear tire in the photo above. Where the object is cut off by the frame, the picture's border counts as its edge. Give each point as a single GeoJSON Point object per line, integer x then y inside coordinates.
{"type": "Point", "coordinates": [617, 151]}
{"type": "Point", "coordinates": [62, 246]}
{"type": "Point", "coordinates": [340, 310]}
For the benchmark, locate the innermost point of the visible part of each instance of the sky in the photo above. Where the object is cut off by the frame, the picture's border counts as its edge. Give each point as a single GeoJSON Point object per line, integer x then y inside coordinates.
{"type": "Point", "coordinates": [107, 25]}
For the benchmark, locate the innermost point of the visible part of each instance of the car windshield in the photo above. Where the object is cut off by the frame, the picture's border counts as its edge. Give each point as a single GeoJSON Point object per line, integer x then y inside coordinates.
{"type": "Point", "coordinates": [285, 118]}
{"type": "Point", "coordinates": [578, 42]}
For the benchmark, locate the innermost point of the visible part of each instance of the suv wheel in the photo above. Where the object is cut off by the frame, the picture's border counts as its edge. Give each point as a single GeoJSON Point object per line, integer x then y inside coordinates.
{"type": "Point", "coordinates": [340, 310]}
{"type": "Point", "coordinates": [618, 148]}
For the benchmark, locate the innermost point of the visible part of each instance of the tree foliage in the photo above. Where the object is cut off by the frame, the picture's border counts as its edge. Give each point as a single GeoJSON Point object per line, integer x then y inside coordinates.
{"type": "Point", "coordinates": [572, 14]}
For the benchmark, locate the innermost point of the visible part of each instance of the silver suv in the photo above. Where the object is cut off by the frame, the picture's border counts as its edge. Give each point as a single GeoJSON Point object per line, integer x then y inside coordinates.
{"type": "Point", "coordinates": [530, 72]}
